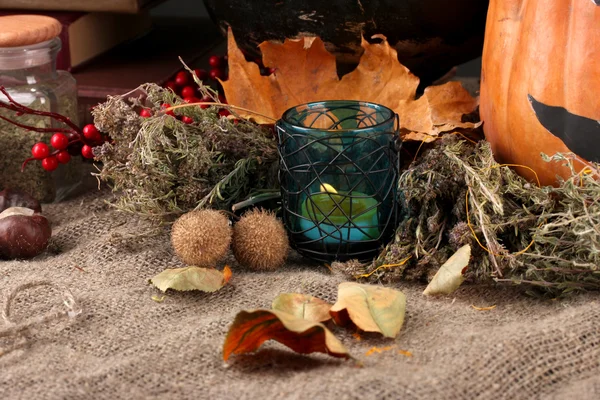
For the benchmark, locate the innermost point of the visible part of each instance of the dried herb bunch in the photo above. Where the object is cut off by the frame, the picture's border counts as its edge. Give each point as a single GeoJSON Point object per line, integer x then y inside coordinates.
{"type": "Point", "coordinates": [163, 167]}
{"type": "Point", "coordinates": [543, 237]}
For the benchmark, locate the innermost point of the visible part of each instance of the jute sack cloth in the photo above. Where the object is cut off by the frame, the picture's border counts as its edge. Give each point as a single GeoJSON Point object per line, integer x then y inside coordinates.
{"type": "Point", "coordinates": [125, 345]}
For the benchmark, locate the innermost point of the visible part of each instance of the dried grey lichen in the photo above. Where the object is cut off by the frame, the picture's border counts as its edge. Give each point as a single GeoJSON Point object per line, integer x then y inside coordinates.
{"type": "Point", "coordinates": [162, 167]}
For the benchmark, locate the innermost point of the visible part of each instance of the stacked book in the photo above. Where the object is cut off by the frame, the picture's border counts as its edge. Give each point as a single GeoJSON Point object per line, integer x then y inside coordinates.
{"type": "Point", "coordinates": [90, 28]}
{"type": "Point", "coordinates": [113, 46]}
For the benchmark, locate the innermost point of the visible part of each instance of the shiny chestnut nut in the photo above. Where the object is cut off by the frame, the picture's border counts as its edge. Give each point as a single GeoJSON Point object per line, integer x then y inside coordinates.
{"type": "Point", "coordinates": [16, 198]}
{"type": "Point", "coordinates": [24, 233]}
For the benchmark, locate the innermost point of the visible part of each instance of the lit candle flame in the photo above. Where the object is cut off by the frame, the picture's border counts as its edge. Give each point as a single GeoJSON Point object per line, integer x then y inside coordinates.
{"type": "Point", "coordinates": [326, 187]}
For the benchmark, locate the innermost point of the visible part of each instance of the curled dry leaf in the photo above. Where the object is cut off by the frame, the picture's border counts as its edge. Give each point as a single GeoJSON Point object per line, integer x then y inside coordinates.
{"type": "Point", "coordinates": [371, 308]}
{"type": "Point", "coordinates": [251, 329]}
{"type": "Point", "coordinates": [450, 275]}
{"type": "Point", "coordinates": [192, 278]}
{"type": "Point", "coordinates": [306, 71]}
{"type": "Point", "coordinates": [378, 350]}
{"type": "Point", "coordinates": [302, 306]}
{"type": "Point", "coordinates": [158, 299]}
{"type": "Point", "coordinates": [227, 274]}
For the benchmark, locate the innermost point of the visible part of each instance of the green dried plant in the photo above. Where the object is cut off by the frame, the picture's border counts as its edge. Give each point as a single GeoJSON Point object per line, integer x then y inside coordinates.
{"type": "Point", "coordinates": [162, 167]}
{"type": "Point", "coordinates": [539, 237]}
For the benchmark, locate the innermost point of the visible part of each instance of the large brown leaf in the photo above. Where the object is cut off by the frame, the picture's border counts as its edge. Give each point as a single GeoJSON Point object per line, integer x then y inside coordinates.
{"type": "Point", "coordinates": [306, 72]}
{"type": "Point", "coordinates": [251, 329]}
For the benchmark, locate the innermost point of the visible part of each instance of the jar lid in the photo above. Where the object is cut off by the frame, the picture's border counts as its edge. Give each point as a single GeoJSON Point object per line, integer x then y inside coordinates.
{"type": "Point", "coordinates": [23, 30]}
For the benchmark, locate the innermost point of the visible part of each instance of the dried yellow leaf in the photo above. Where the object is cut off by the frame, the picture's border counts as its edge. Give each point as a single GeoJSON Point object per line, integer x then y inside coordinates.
{"type": "Point", "coordinates": [450, 275]}
{"type": "Point", "coordinates": [405, 353]}
{"type": "Point", "coordinates": [372, 308]}
{"type": "Point", "coordinates": [158, 299]}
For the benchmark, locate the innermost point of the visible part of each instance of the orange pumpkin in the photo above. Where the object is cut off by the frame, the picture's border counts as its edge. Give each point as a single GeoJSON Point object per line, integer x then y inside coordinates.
{"type": "Point", "coordinates": [540, 84]}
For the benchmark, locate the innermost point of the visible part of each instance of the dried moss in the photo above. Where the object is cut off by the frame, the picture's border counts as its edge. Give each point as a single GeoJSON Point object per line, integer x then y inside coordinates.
{"type": "Point", "coordinates": [542, 237]}
{"type": "Point", "coordinates": [162, 167]}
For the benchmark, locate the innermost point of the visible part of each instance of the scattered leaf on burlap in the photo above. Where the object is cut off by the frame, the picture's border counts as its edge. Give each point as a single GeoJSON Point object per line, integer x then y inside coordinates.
{"type": "Point", "coordinates": [451, 274]}
{"type": "Point", "coordinates": [158, 299]}
{"type": "Point", "coordinates": [378, 350]}
{"type": "Point", "coordinates": [251, 329]}
{"type": "Point", "coordinates": [371, 308]}
{"type": "Point", "coordinates": [303, 306]}
{"type": "Point", "coordinates": [305, 71]}
{"type": "Point", "coordinates": [405, 353]}
{"type": "Point", "coordinates": [227, 274]}
{"type": "Point", "coordinates": [191, 278]}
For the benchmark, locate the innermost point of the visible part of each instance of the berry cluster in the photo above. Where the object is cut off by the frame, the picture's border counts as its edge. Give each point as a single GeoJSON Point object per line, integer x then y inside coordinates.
{"type": "Point", "coordinates": [66, 145]}
{"type": "Point", "coordinates": [183, 85]}
{"type": "Point", "coordinates": [66, 141]}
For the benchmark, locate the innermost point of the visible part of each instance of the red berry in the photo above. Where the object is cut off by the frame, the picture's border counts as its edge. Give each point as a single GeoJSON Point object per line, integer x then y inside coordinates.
{"type": "Point", "coordinates": [59, 141]}
{"type": "Point", "coordinates": [224, 113]}
{"type": "Point", "coordinates": [188, 91]}
{"type": "Point", "coordinates": [145, 113]}
{"type": "Point", "coordinates": [215, 61]}
{"type": "Point", "coordinates": [50, 163]}
{"type": "Point", "coordinates": [271, 71]}
{"type": "Point", "coordinates": [216, 73]}
{"type": "Point", "coordinates": [40, 150]}
{"type": "Point", "coordinates": [182, 78]}
{"type": "Point", "coordinates": [187, 120]}
{"type": "Point", "coordinates": [164, 106]}
{"type": "Point", "coordinates": [63, 157]}
{"type": "Point", "coordinates": [201, 74]}
{"type": "Point", "coordinates": [91, 133]}
{"type": "Point", "coordinates": [171, 85]}
{"type": "Point", "coordinates": [87, 151]}
{"type": "Point", "coordinates": [222, 99]}
{"type": "Point", "coordinates": [225, 58]}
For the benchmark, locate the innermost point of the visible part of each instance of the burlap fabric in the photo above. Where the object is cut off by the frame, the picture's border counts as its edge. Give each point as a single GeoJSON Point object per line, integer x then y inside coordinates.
{"type": "Point", "coordinates": [124, 345]}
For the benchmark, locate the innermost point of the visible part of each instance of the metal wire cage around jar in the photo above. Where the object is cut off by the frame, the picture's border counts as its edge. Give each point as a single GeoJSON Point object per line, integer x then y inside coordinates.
{"type": "Point", "coordinates": [338, 175]}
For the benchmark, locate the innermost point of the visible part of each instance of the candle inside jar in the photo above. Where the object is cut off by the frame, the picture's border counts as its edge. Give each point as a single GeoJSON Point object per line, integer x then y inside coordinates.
{"type": "Point", "coordinates": [333, 216]}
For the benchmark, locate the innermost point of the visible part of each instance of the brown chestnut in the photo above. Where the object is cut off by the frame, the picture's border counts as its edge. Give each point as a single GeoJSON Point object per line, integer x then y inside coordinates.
{"type": "Point", "coordinates": [24, 233]}
{"type": "Point", "coordinates": [16, 198]}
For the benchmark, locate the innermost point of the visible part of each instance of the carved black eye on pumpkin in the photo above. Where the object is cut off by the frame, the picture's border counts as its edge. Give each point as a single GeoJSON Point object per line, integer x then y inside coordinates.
{"type": "Point", "coordinates": [580, 134]}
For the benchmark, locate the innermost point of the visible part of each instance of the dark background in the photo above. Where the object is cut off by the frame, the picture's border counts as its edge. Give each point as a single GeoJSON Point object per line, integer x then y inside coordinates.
{"type": "Point", "coordinates": [195, 8]}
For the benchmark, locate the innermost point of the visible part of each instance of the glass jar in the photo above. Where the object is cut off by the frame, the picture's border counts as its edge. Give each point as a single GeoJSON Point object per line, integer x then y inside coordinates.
{"type": "Point", "coordinates": [29, 75]}
{"type": "Point", "coordinates": [338, 175]}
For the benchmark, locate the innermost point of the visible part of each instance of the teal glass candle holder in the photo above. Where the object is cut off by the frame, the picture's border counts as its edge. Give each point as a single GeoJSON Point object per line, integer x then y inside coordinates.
{"type": "Point", "coordinates": [338, 175]}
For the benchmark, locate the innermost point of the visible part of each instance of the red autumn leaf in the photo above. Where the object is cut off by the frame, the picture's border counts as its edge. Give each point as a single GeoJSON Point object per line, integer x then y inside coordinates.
{"type": "Point", "coordinates": [227, 274]}
{"type": "Point", "coordinates": [251, 329]}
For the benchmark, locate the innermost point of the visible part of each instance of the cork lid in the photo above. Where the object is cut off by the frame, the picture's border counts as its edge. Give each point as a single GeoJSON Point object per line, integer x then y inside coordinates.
{"type": "Point", "coordinates": [23, 30]}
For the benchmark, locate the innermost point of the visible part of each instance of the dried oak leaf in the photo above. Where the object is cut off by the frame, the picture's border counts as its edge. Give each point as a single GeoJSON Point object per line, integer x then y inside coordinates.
{"type": "Point", "coordinates": [302, 306]}
{"type": "Point", "coordinates": [451, 274]}
{"type": "Point", "coordinates": [192, 278]}
{"type": "Point", "coordinates": [251, 329]}
{"type": "Point", "coordinates": [305, 71]}
{"type": "Point", "coordinates": [371, 308]}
